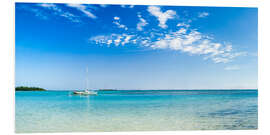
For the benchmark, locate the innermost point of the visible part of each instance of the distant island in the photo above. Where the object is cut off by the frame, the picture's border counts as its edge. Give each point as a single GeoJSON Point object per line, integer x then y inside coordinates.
{"type": "Point", "coordinates": [24, 88]}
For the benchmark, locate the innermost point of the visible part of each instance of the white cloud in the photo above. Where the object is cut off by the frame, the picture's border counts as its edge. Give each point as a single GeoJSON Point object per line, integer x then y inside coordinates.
{"type": "Point", "coordinates": [184, 39]}
{"type": "Point", "coordinates": [109, 42]}
{"type": "Point", "coordinates": [232, 67]}
{"type": "Point", "coordinates": [126, 40]}
{"type": "Point", "coordinates": [192, 37]}
{"type": "Point", "coordinates": [37, 13]}
{"type": "Point", "coordinates": [115, 39]}
{"type": "Point", "coordinates": [118, 24]}
{"type": "Point", "coordinates": [220, 60]}
{"type": "Point", "coordinates": [127, 6]}
{"type": "Point", "coordinates": [141, 23]}
{"type": "Point", "coordinates": [116, 18]}
{"type": "Point", "coordinates": [102, 39]}
{"type": "Point", "coordinates": [104, 5]}
{"type": "Point", "coordinates": [203, 14]}
{"type": "Point", "coordinates": [122, 26]}
{"type": "Point", "coordinates": [58, 11]}
{"type": "Point", "coordinates": [176, 44]}
{"type": "Point", "coordinates": [118, 40]}
{"type": "Point", "coordinates": [195, 43]}
{"type": "Point", "coordinates": [228, 48]}
{"type": "Point", "coordinates": [161, 16]}
{"type": "Point", "coordinates": [47, 5]}
{"type": "Point", "coordinates": [83, 9]}
{"type": "Point", "coordinates": [183, 25]}
{"type": "Point", "coordinates": [162, 44]}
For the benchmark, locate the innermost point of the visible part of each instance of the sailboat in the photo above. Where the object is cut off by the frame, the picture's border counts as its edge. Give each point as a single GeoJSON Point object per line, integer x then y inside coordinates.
{"type": "Point", "coordinates": [86, 91]}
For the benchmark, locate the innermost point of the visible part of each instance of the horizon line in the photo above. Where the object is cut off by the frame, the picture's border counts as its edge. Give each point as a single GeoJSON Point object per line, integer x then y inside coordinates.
{"type": "Point", "coordinates": [162, 89]}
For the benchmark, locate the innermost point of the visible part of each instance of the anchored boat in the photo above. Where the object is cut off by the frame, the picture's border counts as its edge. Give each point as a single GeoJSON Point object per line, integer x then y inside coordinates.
{"type": "Point", "coordinates": [86, 92]}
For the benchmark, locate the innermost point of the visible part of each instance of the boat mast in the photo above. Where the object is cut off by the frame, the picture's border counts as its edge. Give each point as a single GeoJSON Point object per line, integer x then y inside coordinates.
{"type": "Point", "coordinates": [86, 78]}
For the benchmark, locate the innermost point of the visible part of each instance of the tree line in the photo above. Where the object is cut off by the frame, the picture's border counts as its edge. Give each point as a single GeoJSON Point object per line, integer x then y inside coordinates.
{"type": "Point", "coordinates": [24, 88]}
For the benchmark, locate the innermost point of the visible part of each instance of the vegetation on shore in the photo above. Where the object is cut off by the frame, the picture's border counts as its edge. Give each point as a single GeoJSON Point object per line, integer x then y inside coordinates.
{"type": "Point", "coordinates": [24, 88]}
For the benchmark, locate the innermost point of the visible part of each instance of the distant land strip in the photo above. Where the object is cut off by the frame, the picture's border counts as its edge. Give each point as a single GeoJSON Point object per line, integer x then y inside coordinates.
{"type": "Point", "coordinates": [24, 88]}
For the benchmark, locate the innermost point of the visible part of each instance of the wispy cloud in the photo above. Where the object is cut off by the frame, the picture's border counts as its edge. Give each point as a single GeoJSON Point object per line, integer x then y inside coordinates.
{"type": "Point", "coordinates": [203, 14]}
{"type": "Point", "coordinates": [183, 24]}
{"type": "Point", "coordinates": [38, 13]}
{"type": "Point", "coordinates": [115, 39]}
{"type": "Point", "coordinates": [161, 16]}
{"type": "Point", "coordinates": [232, 67]}
{"type": "Point", "coordinates": [58, 11]}
{"type": "Point", "coordinates": [195, 43]}
{"type": "Point", "coordinates": [46, 10]}
{"type": "Point", "coordinates": [127, 6]}
{"type": "Point", "coordinates": [141, 23]}
{"type": "Point", "coordinates": [118, 24]}
{"type": "Point", "coordinates": [184, 40]}
{"type": "Point", "coordinates": [103, 5]}
{"type": "Point", "coordinates": [116, 18]}
{"type": "Point", "coordinates": [84, 9]}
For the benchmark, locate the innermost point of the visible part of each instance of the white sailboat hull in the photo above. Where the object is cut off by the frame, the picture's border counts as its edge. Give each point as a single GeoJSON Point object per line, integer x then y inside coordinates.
{"type": "Point", "coordinates": [85, 93]}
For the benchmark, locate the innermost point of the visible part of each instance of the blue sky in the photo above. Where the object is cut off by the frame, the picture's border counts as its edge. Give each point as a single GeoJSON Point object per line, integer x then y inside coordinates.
{"type": "Point", "coordinates": [135, 47]}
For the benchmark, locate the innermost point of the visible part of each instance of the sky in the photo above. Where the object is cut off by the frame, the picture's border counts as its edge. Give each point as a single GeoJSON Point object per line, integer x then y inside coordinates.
{"type": "Point", "coordinates": [135, 46]}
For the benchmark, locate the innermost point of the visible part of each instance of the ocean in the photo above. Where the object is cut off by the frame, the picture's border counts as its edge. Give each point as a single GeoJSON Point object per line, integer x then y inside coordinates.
{"type": "Point", "coordinates": [136, 110]}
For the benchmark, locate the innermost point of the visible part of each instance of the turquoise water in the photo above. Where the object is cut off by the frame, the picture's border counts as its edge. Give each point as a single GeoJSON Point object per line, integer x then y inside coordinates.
{"type": "Point", "coordinates": [136, 110]}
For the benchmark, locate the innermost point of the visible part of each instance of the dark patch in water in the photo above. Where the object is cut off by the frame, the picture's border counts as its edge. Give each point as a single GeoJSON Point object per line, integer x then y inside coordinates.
{"type": "Point", "coordinates": [225, 112]}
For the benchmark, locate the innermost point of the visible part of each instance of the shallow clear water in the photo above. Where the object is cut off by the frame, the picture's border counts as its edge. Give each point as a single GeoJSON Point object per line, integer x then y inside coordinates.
{"type": "Point", "coordinates": [136, 110]}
